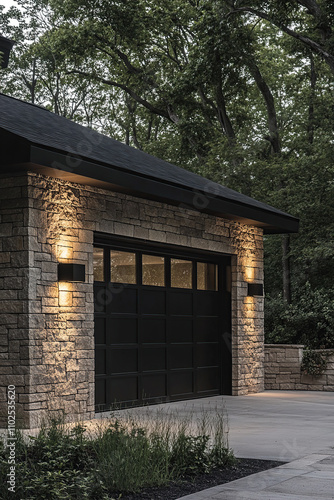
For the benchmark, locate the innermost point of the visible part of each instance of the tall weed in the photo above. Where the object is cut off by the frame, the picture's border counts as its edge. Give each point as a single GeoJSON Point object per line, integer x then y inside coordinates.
{"type": "Point", "coordinates": [125, 454]}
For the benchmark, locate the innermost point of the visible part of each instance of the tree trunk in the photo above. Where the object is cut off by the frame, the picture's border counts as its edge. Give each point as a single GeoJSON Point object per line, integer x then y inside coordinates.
{"type": "Point", "coordinates": [286, 268]}
{"type": "Point", "coordinates": [268, 97]}
{"type": "Point", "coordinates": [275, 142]}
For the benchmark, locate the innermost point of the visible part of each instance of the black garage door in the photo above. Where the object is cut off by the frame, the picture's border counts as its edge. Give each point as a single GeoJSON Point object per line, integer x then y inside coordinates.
{"type": "Point", "coordinates": [162, 323]}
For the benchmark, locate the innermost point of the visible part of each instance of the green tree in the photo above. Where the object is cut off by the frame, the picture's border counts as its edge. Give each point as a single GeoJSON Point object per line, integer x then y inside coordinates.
{"type": "Point", "coordinates": [238, 91]}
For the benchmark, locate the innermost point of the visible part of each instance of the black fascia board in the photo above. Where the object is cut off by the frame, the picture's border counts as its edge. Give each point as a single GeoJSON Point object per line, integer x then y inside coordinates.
{"type": "Point", "coordinates": [14, 149]}
{"type": "Point", "coordinates": [82, 171]}
{"type": "Point", "coordinates": [6, 46]}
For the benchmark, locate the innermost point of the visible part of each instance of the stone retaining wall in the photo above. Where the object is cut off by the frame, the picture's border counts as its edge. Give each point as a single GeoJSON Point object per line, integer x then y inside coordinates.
{"type": "Point", "coordinates": [282, 370]}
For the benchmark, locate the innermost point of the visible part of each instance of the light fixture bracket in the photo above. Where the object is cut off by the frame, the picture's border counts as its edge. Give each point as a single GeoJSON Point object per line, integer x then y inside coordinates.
{"type": "Point", "coordinates": [71, 272]}
{"type": "Point", "coordinates": [255, 290]}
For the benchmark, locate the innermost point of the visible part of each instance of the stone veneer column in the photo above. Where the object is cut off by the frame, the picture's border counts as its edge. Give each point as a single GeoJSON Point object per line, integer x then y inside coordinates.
{"type": "Point", "coordinates": [61, 314]}
{"type": "Point", "coordinates": [55, 322]}
{"type": "Point", "coordinates": [14, 289]}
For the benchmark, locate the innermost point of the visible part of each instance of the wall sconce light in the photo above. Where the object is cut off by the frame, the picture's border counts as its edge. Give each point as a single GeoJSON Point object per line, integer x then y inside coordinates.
{"type": "Point", "coordinates": [71, 272]}
{"type": "Point", "coordinates": [255, 290]}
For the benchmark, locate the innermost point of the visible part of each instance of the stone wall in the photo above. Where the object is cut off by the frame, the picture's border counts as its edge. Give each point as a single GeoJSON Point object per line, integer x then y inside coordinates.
{"type": "Point", "coordinates": [14, 287]}
{"type": "Point", "coordinates": [282, 370]}
{"type": "Point", "coordinates": [48, 339]}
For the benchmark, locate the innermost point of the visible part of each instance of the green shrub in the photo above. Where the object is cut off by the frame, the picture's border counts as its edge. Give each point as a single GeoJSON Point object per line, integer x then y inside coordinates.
{"type": "Point", "coordinates": [309, 320]}
{"type": "Point", "coordinates": [314, 362]}
{"type": "Point", "coordinates": [129, 459]}
{"type": "Point", "coordinates": [54, 465]}
{"type": "Point", "coordinates": [189, 455]}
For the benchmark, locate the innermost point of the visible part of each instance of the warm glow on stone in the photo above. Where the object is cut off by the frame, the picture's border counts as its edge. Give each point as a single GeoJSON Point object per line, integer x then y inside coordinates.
{"type": "Point", "coordinates": [65, 294]}
{"type": "Point", "coordinates": [64, 251]}
{"type": "Point", "coordinates": [249, 273]}
{"type": "Point", "coordinates": [249, 303]}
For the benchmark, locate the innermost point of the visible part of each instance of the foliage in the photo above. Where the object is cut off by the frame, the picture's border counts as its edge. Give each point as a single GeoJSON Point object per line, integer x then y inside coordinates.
{"type": "Point", "coordinates": [238, 91]}
{"type": "Point", "coordinates": [63, 463]}
{"type": "Point", "coordinates": [314, 363]}
{"type": "Point", "coordinates": [309, 320]}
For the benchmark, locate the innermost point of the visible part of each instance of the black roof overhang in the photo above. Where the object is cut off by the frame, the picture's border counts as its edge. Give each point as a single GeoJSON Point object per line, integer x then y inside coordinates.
{"type": "Point", "coordinates": [71, 168]}
{"type": "Point", "coordinates": [5, 47]}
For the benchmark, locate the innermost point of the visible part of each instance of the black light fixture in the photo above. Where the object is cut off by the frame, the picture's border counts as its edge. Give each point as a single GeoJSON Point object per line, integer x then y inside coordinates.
{"type": "Point", "coordinates": [255, 290]}
{"type": "Point", "coordinates": [71, 272]}
{"type": "Point", "coordinates": [5, 48]}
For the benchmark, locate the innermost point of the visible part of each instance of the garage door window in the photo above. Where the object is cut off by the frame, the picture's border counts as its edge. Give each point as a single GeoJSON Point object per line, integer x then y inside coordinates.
{"type": "Point", "coordinates": [98, 264]}
{"type": "Point", "coordinates": [207, 276]}
{"type": "Point", "coordinates": [181, 273]}
{"type": "Point", "coordinates": [122, 267]}
{"type": "Point", "coordinates": [153, 269]}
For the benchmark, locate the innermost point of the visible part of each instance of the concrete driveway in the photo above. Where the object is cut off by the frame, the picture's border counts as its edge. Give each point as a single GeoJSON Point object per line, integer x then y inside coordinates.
{"type": "Point", "coordinates": [281, 425]}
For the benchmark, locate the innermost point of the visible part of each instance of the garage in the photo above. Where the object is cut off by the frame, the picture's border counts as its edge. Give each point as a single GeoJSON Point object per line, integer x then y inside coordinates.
{"type": "Point", "coordinates": [162, 323]}
{"type": "Point", "coordinates": [126, 280]}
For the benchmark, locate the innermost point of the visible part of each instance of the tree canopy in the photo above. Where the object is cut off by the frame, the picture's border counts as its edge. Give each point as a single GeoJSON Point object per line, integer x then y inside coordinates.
{"type": "Point", "coordinates": [238, 91]}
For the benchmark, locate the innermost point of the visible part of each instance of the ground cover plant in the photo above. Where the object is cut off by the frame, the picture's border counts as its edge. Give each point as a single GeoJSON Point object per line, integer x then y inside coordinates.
{"type": "Point", "coordinates": [120, 457]}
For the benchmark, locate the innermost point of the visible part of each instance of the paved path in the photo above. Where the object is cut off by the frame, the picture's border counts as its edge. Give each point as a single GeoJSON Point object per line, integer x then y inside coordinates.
{"type": "Point", "coordinates": [308, 478]}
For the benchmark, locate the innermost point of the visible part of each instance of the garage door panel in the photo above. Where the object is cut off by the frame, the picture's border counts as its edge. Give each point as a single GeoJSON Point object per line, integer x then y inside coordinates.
{"type": "Point", "coordinates": [181, 383]}
{"type": "Point", "coordinates": [207, 329]}
{"type": "Point", "coordinates": [100, 361]}
{"type": "Point", "coordinates": [152, 301]}
{"type": "Point", "coordinates": [181, 356]}
{"type": "Point", "coordinates": [154, 385]}
{"type": "Point", "coordinates": [180, 303]}
{"type": "Point", "coordinates": [122, 331]}
{"type": "Point", "coordinates": [207, 354]}
{"type": "Point", "coordinates": [100, 391]}
{"type": "Point", "coordinates": [152, 330]}
{"type": "Point", "coordinates": [207, 380]}
{"type": "Point", "coordinates": [207, 303]}
{"type": "Point", "coordinates": [180, 330]}
{"type": "Point", "coordinates": [100, 330]}
{"type": "Point", "coordinates": [121, 300]}
{"type": "Point", "coordinates": [122, 360]}
{"type": "Point", "coordinates": [100, 298]}
{"type": "Point", "coordinates": [123, 389]}
{"type": "Point", "coordinates": [153, 358]}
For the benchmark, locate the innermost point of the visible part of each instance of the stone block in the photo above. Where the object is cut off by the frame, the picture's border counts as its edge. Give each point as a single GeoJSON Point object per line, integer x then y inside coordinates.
{"type": "Point", "coordinates": [287, 386]}
{"type": "Point", "coordinates": [124, 229]}
{"type": "Point", "coordinates": [4, 257]}
{"type": "Point", "coordinates": [11, 307]}
{"type": "Point", "coordinates": [13, 244]}
{"type": "Point", "coordinates": [159, 236]}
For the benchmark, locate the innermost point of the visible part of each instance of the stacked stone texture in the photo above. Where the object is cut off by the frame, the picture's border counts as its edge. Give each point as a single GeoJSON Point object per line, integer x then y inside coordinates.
{"type": "Point", "coordinates": [47, 334]}
{"type": "Point", "coordinates": [282, 370]}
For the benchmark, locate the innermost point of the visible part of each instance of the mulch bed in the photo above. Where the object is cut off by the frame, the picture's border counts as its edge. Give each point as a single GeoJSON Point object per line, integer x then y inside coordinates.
{"type": "Point", "coordinates": [175, 490]}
